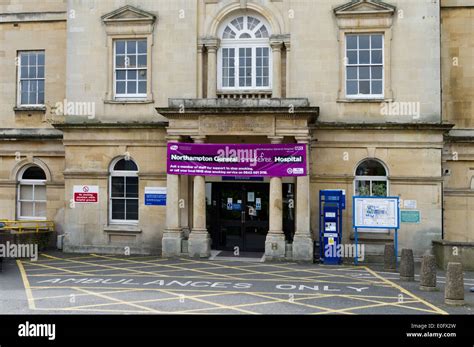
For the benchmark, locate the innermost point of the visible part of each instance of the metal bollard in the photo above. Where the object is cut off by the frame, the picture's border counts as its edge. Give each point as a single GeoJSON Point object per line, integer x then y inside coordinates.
{"type": "Point", "coordinates": [428, 273]}
{"type": "Point", "coordinates": [454, 289]}
{"type": "Point", "coordinates": [407, 265]}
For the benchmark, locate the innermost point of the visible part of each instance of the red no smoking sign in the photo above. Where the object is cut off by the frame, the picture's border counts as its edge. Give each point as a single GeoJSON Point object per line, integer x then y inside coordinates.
{"type": "Point", "coordinates": [86, 194]}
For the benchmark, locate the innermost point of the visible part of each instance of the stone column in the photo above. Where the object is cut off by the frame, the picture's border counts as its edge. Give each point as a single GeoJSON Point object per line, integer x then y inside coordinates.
{"type": "Point", "coordinates": [200, 48]}
{"type": "Point", "coordinates": [288, 72]}
{"type": "Point", "coordinates": [212, 46]}
{"type": "Point", "coordinates": [199, 243]}
{"type": "Point", "coordinates": [275, 242]}
{"type": "Point", "coordinates": [302, 240]}
{"type": "Point", "coordinates": [276, 45]}
{"type": "Point", "coordinates": [173, 235]}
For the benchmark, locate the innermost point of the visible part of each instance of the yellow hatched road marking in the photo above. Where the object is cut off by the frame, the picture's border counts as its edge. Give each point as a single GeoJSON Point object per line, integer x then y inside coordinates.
{"type": "Point", "coordinates": [399, 304]}
{"type": "Point", "coordinates": [403, 290]}
{"type": "Point", "coordinates": [325, 309]}
{"type": "Point", "coordinates": [226, 307]}
{"type": "Point", "coordinates": [144, 301]}
{"type": "Point", "coordinates": [172, 266]}
{"type": "Point", "coordinates": [26, 283]}
{"type": "Point", "coordinates": [273, 301]}
{"type": "Point", "coordinates": [117, 300]}
{"type": "Point", "coordinates": [282, 276]}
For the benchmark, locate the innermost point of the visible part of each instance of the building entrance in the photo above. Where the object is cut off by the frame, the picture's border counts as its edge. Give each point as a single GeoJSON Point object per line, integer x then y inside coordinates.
{"type": "Point", "coordinates": [238, 216]}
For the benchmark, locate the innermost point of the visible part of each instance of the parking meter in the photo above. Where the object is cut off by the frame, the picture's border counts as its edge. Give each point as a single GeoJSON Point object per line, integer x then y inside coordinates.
{"type": "Point", "coordinates": [331, 205]}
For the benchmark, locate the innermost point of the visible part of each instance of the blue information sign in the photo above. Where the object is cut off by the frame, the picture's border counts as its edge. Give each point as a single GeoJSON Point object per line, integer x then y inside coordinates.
{"type": "Point", "coordinates": [155, 196]}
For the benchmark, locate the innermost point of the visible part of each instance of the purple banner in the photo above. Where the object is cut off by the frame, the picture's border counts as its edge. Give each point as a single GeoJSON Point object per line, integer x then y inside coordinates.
{"type": "Point", "coordinates": [241, 160]}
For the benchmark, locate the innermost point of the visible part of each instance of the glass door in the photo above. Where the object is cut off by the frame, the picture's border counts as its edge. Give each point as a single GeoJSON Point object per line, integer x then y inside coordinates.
{"type": "Point", "coordinates": [239, 216]}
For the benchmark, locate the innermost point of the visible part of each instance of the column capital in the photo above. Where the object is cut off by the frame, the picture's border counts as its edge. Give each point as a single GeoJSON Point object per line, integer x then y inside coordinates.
{"type": "Point", "coordinates": [275, 139]}
{"type": "Point", "coordinates": [276, 45]}
{"type": "Point", "coordinates": [303, 139]}
{"type": "Point", "coordinates": [199, 138]}
{"type": "Point", "coordinates": [200, 47]}
{"type": "Point", "coordinates": [211, 43]}
{"type": "Point", "coordinates": [173, 138]}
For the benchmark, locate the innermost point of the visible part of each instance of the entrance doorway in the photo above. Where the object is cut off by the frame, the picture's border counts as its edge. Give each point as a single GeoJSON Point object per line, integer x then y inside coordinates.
{"type": "Point", "coordinates": [238, 216]}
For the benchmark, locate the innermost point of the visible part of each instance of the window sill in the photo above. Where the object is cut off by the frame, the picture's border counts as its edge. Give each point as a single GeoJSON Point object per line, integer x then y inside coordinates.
{"type": "Point", "coordinates": [29, 109]}
{"type": "Point", "coordinates": [378, 101]}
{"type": "Point", "coordinates": [129, 101]}
{"type": "Point", "coordinates": [122, 228]}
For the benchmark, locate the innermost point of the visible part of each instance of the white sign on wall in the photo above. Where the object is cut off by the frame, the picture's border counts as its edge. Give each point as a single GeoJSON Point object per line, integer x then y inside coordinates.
{"type": "Point", "coordinates": [375, 212]}
{"type": "Point", "coordinates": [409, 204]}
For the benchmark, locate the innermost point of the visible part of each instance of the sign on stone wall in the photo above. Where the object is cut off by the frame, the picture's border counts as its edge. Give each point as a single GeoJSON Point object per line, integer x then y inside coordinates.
{"type": "Point", "coordinates": [155, 196]}
{"type": "Point", "coordinates": [410, 216]}
{"type": "Point", "coordinates": [86, 194]}
{"type": "Point", "coordinates": [277, 160]}
{"type": "Point", "coordinates": [375, 212]}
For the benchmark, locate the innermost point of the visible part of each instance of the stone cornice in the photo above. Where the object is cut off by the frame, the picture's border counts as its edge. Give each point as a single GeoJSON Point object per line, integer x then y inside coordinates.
{"type": "Point", "coordinates": [115, 125]}
{"type": "Point", "coordinates": [50, 16]}
{"type": "Point", "coordinates": [383, 126]}
{"type": "Point", "coordinates": [31, 133]}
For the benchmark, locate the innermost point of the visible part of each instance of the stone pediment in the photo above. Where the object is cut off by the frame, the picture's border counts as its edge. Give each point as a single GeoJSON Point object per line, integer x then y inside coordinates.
{"type": "Point", "coordinates": [364, 7]}
{"type": "Point", "coordinates": [128, 14]}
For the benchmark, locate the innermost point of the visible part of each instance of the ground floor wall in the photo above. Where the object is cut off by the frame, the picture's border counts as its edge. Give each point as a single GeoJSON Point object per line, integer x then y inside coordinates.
{"type": "Point", "coordinates": [15, 157]}
{"type": "Point", "coordinates": [90, 158]}
{"type": "Point", "coordinates": [412, 159]}
{"type": "Point", "coordinates": [458, 221]}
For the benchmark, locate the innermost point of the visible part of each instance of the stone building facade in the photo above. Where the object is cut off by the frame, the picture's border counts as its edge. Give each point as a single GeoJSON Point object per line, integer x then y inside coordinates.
{"type": "Point", "coordinates": [93, 92]}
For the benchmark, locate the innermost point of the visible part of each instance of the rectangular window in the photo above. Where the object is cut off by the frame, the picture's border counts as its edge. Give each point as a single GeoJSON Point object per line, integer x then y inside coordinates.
{"type": "Point", "coordinates": [130, 75]}
{"type": "Point", "coordinates": [124, 198]}
{"type": "Point", "coordinates": [364, 65]}
{"type": "Point", "coordinates": [31, 78]}
{"type": "Point", "coordinates": [32, 200]}
{"type": "Point", "coordinates": [245, 67]}
{"type": "Point", "coordinates": [228, 67]}
{"type": "Point", "coordinates": [263, 68]}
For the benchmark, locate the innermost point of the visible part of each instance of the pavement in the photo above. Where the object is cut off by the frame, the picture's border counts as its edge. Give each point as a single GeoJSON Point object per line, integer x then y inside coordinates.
{"type": "Point", "coordinates": [59, 283]}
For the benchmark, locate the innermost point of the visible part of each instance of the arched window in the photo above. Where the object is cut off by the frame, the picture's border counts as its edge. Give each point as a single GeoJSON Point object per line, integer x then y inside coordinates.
{"type": "Point", "coordinates": [123, 191]}
{"type": "Point", "coordinates": [244, 58]}
{"type": "Point", "coordinates": [31, 196]}
{"type": "Point", "coordinates": [371, 179]}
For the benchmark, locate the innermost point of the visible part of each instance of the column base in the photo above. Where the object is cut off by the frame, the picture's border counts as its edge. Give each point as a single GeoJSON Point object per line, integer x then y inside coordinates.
{"type": "Point", "coordinates": [303, 248]}
{"type": "Point", "coordinates": [275, 246]}
{"type": "Point", "coordinates": [171, 243]}
{"type": "Point", "coordinates": [199, 244]}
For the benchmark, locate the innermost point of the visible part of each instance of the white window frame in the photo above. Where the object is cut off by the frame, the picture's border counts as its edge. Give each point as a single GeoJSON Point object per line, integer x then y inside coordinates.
{"type": "Point", "coordinates": [370, 65]}
{"type": "Point", "coordinates": [113, 173]}
{"type": "Point", "coordinates": [136, 96]}
{"type": "Point", "coordinates": [371, 178]}
{"type": "Point", "coordinates": [34, 184]}
{"type": "Point", "coordinates": [19, 79]}
{"type": "Point", "coordinates": [244, 43]}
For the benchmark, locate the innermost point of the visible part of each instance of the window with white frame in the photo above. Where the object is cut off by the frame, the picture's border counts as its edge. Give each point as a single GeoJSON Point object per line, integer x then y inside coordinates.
{"type": "Point", "coordinates": [130, 68]}
{"type": "Point", "coordinates": [371, 179]}
{"type": "Point", "coordinates": [364, 66]}
{"type": "Point", "coordinates": [123, 191]}
{"type": "Point", "coordinates": [244, 61]}
{"type": "Point", "coordinates": [31, 196]}
{"type": "Point", "coordinates": [31, 78]}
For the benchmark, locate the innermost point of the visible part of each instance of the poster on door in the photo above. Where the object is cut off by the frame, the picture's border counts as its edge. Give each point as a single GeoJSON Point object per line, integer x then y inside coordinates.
{"type": "Point", "coordinates": [237, 160]}
{"type": "Point", "coordinates": [86, 194]}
